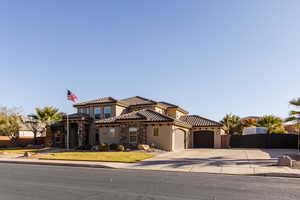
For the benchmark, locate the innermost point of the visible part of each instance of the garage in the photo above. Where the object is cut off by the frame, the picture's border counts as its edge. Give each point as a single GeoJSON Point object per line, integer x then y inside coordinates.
{"type": "Point", "coordinates": [203, 139]}
{"type": "Point", "coordinates": [180, 141]}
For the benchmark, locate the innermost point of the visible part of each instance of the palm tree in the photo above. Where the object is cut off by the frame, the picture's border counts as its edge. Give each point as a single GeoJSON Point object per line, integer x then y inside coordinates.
{"type": "Point", "coordinates": [47, 115]}
{"type": "Point", "coordinates": [294, 116]}
{"type": "Point", "coordinates": [232, 122]}
{"type": "Point", "coordinates": [44, 117]}
{"type": "Point", "coordinates": [272, 123]}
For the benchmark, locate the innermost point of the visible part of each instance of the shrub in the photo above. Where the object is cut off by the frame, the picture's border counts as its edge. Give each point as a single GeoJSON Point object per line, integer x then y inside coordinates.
{"type": "Point", "coordinates": [103, 147]}
{"type": "Point", "coordinates": [113, 146]}
{"type": "Point", "coordinates": [120, 147]}
{"type": "Point", "coordinates": [84, 147]}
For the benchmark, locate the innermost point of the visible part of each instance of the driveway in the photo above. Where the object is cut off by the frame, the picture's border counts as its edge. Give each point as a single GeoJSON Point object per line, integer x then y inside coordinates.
{"type": "Point", "coordinates": [228, 161]}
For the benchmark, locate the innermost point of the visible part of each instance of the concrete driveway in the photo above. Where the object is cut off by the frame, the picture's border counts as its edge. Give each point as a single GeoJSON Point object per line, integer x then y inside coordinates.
{"type": "Point", "coordinates": [228, 161]}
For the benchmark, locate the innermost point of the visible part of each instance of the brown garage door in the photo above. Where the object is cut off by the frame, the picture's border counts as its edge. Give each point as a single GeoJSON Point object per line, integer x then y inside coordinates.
{"type": "Point", "coordinates": [179, 139]}
{"type": "Point", "coordinates": [204, 139]}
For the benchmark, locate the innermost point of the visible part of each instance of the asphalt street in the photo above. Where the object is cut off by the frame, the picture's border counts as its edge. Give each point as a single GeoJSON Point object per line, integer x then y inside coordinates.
{"type": "Point", "coordinates": [24, 182]}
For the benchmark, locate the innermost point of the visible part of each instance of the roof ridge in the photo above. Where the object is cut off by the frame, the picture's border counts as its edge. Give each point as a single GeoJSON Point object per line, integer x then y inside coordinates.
{"type": "Point", "coordinates": [205, 119]}
{"type": "Point", "coordinates": [146, 99]}
{"type": "Point", "coordinates": [100, 98]}
{"type": "Point", "coordinates": [163, 115]}
{"type": "Point", "coordinates": [171, 105]}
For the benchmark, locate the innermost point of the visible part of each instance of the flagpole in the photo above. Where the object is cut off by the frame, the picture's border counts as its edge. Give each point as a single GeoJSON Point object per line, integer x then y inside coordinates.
{"type": "Point", "coordinates": [68, 132]}
{"type": "Point", "coordinates": [71, 97]}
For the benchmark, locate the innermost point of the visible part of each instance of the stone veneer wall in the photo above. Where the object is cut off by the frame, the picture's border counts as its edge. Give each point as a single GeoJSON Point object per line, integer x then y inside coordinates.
{"type": "Point", "coordinates": [142, 133]}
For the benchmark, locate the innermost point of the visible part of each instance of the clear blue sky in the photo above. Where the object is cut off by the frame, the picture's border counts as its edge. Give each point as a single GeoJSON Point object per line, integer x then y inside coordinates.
{"type": "Point", "coordinates": [210, 57]}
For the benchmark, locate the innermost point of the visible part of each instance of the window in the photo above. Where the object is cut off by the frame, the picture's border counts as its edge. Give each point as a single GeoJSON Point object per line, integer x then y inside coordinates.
{"type": "Point", "coordinates": [133, 139]}
{"type": "Point", "coordinates": [155, 131]}
{"type": "Point", "coordinates": [112, 132]}
{"type": "Point", "coordinates": [97, 113]}
{"type": "Point", "coordinates": [80, 110]}
{"type": "Point", "coordinates": [107, 112]}
{"type": "Point", "coordinates": [87, 111]}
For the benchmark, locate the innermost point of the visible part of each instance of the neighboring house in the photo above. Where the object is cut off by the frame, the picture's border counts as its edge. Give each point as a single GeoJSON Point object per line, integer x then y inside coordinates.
{"type": "Point", "coordinates": [137, 120]}
{"type": "Point", "coordinates": [255, 130]}
{"type": "Point", "coordinates": [26, 128]}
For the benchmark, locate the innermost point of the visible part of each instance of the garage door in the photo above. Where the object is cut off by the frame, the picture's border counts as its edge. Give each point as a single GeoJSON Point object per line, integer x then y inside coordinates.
{"type": "Point", "coordinates": [179, 139]}
{"type": "Point", "coordinates": [204, 139]}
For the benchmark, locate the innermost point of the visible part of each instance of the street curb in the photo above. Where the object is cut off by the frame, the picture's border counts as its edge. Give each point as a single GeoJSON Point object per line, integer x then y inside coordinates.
{"type": "Point", "coordinates": [55, 164]}
{"type": "Point", "coordinates": [278, 175]}
{"type": "Point", "coordinates": [283, 175]}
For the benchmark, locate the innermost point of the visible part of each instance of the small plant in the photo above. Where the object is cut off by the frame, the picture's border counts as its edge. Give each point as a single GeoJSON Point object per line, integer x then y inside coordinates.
{"type": "Point", "coordinates": [113, 146]}
{"type": "Point", "coordinates": [103, 147]}
{"type": "Point", "coordinates": [120, 147]}
{"type": "Point", "coordinates": [84, 147]}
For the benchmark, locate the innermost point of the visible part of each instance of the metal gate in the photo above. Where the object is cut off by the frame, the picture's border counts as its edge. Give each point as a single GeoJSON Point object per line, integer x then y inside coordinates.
{"type": "Point", "coordinates": [264, 141]}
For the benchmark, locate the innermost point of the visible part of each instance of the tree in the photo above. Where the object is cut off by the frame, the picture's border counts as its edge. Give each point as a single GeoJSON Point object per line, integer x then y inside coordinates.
{"type": "Point", "coordinates": [294, 115]}
{"type": "Point", "coordinates": [35, 126]}
{"type": "Point", "coordinates": [10, 123]}
{"type": "Point", "coordinates": [272, 123]}
{"type": "Point", "coordinates": [248, 122]}
{"type": "Point", "coordinates": [233, 123]}
{"type": "Point", "coordinates": [47, 115]}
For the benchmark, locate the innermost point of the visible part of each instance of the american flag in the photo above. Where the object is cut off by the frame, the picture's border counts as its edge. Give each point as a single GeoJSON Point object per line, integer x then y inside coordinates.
{"type": "Point", "coordinates": [71, 96]}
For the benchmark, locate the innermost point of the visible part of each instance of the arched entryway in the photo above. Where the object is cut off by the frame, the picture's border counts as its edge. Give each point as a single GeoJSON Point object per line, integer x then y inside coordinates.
{"type": "Point", "coordinates": [203, 139]}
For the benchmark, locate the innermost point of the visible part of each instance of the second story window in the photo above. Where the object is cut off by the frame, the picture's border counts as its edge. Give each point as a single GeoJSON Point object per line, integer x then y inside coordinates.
{"type": "Point", "coordinates": [107, 112]}
{"type": "Point", "coordinates": [97, 113]}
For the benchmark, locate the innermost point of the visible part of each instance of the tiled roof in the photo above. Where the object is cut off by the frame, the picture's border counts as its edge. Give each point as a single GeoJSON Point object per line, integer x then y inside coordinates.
{"type": "Point", "coordinates": [137, 100]}
{"type": "Point", "coordinates": [145, 115]}
{"type": "Point", "coordinates": [197, 121]}
{"type": "Point", "coordinates": [167, 105]}
{"type": "Point", "coordinates": [78, 115]}
{"type": "Point", "coordinates": [98, 101]}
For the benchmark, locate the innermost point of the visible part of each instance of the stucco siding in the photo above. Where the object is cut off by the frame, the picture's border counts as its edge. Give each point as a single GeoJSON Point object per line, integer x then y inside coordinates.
{"type": "Point", "coordinates": [164, 138]}
{"type": "Point", "coordinates": [119, 110]}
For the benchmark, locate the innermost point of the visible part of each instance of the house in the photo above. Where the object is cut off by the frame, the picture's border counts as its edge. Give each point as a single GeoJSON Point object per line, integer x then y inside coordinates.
{"type": "Point", "coordinates": [254, 130]}
{"type": "Point", "coordinates": [29, 125]}
{"type": "Point", "coordinates": [137, 120]}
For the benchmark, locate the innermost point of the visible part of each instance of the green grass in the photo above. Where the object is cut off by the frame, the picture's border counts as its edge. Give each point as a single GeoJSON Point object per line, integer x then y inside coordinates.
{"type": "Point", "coordinates": [22, 150]}
{"type": "Point", "coordinates": [128, 157]}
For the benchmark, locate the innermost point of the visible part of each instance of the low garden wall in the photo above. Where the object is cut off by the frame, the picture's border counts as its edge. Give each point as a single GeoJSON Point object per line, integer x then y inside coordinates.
{"type": "Point", "coordinates": [6, 142]}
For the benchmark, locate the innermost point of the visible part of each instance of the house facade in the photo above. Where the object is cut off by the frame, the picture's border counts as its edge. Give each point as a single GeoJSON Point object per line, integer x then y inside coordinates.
{"type": "Point", "coordinates": [137, 120]}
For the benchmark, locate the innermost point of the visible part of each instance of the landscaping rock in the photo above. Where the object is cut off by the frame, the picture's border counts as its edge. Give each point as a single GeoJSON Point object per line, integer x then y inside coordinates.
{"type": "Point", "coordinates": [144, 147]}
{"type": "Point", "coordinates": [95, 148]}
{"type": "Point", "coordinates": [292, 161]}
{"type": "Point", "coordinates": [27, 154]}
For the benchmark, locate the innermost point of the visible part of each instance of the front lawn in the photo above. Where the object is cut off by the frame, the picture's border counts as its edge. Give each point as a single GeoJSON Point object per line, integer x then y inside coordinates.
{"type": "Point", "coordinates": [23, 150]}
{"type": "Point", "coordinates": [128, 157]}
